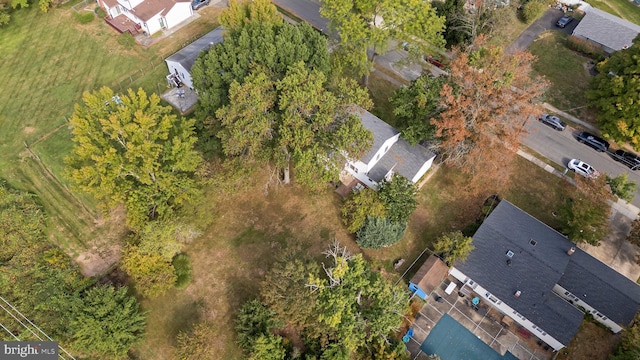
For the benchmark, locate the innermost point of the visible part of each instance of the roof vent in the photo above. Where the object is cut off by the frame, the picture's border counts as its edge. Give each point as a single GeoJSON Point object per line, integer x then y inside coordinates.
{"type": "Point", "coordinates": [509, 262]}
{"type": "Point", "coordinates": [510, 253]}
{"type": "Point", "coordinates": [571, 251]}
{"type": "Point", "coordinates": [533, 242]}
{"type": "Point", "coordinates": [517, 294]}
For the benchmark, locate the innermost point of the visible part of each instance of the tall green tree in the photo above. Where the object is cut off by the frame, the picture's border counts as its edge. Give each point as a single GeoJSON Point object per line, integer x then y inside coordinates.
{"type": "Point", "coordinates": [253, 321]}
{"type": "Point", "coordinates": [416, 105]}
{"type": "Point", "coordinates": [453, 246]}
{"type": "Point", "coordinates": [108, 323]}
{"type": "Point", "coordinates": [377, 233]}
{"type": "Point", "coordinates": [239, 12]}
{"type": "Point", "coordinates": [355, 303]}
{"type": "Point", "coordinates": [364, 24]}
{"type": "Point", "coordinates": [129, 149]}
{"type": "Point", "coordinates": [152, 274]}
{"type": "Point", "coordinates": [615, 93]}
{"type": "Point", "coordinates": [273, 47]}
{"type": "Point", "coordinates": [399, 197]}
{"type": "Point", "coordinates": [295, 121]}
{"type": "Point", "coordinates": [622, 187]}
{"type": "Point", "coordinates": [359, 205]}
{"type": "Point", "coordinates": [268, 347]}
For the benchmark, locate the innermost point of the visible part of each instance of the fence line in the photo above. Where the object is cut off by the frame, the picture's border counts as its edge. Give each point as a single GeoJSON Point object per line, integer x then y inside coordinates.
{"type": "Point", "coordinates": [82, 5]}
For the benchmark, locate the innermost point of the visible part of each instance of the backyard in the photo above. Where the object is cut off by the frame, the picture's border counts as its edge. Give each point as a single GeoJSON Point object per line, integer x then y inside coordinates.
{"type": "Point", "coordinates": [246, 231]}
{"type": "Point", "coordinates": [44, 72]}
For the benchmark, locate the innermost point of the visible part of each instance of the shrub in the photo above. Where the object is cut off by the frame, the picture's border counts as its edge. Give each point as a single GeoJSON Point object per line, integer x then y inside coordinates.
{"type": "Point", "coordinates": [377, 233]}
{"type": "Point", "coordinates": [100, 12]}
{"type": "Point", "coordinates": [84, 17]}
{"type": "Point", "coordinates": [182, 268]}
{"type": "Point", "coordinates": [532, 9]}
{"type": "Point", "coordinates": [584, 46]}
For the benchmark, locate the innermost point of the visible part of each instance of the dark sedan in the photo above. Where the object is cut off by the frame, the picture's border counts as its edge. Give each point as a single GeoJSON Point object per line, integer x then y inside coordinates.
{"type": "Point", "coordinates": [595, 142]}
{"type": "Point", "coordinates": [631, 160]}
{"type": "Point", "coordinates": [564, 21]}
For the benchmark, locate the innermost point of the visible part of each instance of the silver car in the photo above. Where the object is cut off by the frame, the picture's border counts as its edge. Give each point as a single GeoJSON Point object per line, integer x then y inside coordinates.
{"type": "Point", "coordinates": [553, 121]}
{"type": "Point", "coordinates": [582, 168]}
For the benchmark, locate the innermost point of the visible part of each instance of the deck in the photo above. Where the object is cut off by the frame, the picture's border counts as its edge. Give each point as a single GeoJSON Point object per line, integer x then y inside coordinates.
{"type": "Point", "coordinates": [123, 24]}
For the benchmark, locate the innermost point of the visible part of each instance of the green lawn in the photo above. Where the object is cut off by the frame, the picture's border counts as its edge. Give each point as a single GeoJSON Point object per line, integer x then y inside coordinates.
{"type": "Point", "coordinates": [565, 70]}
{"type": "Point", "coordinates": [48, 61]}
{"type": "Point", "coordinates": [622, 8]}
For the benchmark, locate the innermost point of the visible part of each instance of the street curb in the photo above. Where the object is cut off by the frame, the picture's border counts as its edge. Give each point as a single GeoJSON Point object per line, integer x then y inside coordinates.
{"type": "Point", "coordinates": [628, 210]}
{"type": "Point", "coordinates": [569, 116]}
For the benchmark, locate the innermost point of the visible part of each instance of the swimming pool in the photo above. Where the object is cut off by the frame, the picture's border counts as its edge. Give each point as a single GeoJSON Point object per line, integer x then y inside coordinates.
{"type": "Point", "coordinates": [452, 341]}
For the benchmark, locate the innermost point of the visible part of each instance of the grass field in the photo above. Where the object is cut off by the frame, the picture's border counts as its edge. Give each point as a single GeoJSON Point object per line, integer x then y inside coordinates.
{"type": "Point", "coordinates": [245, 232]}
{"type": "Point", "coordinates": [49, 60]}
{"type": "Point", "coordinates": [565, 70]}
{"type": "Point", "coordinates": [622, 8]}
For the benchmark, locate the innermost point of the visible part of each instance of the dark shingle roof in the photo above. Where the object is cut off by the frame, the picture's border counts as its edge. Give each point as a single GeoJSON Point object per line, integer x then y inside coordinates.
{"type": "Point", "coordinates": [606, 29]}
{"type": "Point", "coordinates": [188, 54]}
{"type": "Point", "coordinates": [533, 270]}
{"type": "Point", "coordinates": [405, 160]}
{"type": "Point", "coordinates": [381, 132]}
{"type": "Point", "coordinates": [603, 288]}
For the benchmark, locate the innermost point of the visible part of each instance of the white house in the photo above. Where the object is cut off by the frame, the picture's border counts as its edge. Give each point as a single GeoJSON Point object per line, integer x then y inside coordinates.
{"type": "Point", "coordinates": [149, 16]}
{"type": "Point", "coordinates": [537, 277]}
{"type": "Point", "coordinates": [608, 31]}
{"type": "Point", "coordinates": [389, 154]}
{"type": "Point", "coordinates": [180, 63]}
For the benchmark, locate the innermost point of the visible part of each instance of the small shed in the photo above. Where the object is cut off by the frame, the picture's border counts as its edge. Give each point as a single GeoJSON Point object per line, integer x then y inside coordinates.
{"type": "Point", "coordinates": [430, 274]}
{"type": "Point", "coordinates": [180, 63]}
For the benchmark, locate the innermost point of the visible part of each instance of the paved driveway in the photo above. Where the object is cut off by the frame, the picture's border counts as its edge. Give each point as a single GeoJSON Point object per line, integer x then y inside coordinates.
{"type": "Point", "coordinates": [546, 22]}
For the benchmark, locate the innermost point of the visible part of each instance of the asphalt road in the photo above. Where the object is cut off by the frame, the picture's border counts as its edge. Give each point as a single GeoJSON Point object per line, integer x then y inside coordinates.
{"type": "Point", "coordinates": [562, 146]}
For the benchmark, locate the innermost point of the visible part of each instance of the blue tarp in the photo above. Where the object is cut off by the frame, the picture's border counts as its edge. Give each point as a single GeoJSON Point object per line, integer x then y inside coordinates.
{"type": "Point", "coordinates": [417, 291]}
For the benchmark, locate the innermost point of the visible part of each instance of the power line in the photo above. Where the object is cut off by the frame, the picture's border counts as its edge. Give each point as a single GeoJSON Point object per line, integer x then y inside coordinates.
{"type": "Point", "coordinates": [30, 330]}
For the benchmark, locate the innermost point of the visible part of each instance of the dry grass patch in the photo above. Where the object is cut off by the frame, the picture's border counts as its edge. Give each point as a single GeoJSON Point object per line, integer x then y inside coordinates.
{"type": "Point", "coordinates": [592, 342]}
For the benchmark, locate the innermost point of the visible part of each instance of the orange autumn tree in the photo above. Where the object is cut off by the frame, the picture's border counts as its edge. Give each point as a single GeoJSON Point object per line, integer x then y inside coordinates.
{"type": "Point", "coordinates": [487, 101]}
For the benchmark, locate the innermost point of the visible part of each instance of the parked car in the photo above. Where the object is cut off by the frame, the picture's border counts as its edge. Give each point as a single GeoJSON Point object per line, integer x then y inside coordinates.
{"type": "Point", "coordinates": [631, 160]}
{"type": "Point", "coordinates": [582, 168]}
{"type": "Point", "coordinates": [553, 121]}
{"type": "Point", "coordinates": [564, 21]}
{"type": "Point", "coordinates": [197, 4]}
{"type": "Point", "coordinates": [597, 143]}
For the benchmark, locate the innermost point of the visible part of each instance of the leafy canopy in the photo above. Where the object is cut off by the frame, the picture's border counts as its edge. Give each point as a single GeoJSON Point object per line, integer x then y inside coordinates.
{"type": "Point", "coordinates": [108, 323]}
{"type": "Point", "coordinates": [129, 149]}
{"type": "Point", "coordinates": [487, 100]}
{"type": "Point", "coordinates": [359, 205]}
{"type": "Point", "coordinates": [399, 197]}
{"type": "Point", "coordinates": [453, 246]}
{"type": "Point", "coordinates": [622, 187]}
{"type": "Point", "coordinates": [615, 93]}
{"type": "Point", "coordinates": [364, 24]}
{"type": "Point", "coordinates": [295, 120]}
{"type": "Point", "coordinates": [273, 47]}
{"type": "Point", "coordinates": [377, 232]}
{"type": "Point", "coordinates": [355, 303]}
{"type": "Point", "coordinates": [416, 105]}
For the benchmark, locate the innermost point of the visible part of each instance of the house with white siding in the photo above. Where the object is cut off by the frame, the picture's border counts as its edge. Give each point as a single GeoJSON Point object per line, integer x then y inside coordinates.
{"type": "Point", "coordinates": [180, 63]}
{"type": "Point", "coordinates": [605, 30]}
{"type": "Point", "coordinates": [148, 16]}
{"type": "Point", "coordinates": [389, 154]}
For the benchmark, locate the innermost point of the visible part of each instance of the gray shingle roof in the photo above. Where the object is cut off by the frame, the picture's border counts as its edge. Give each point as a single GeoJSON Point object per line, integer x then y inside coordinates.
{"type": "Point", "coordinates": [381, 132]}
{"type": "Point", "coordinates": [188, 54]}
{"type": "Point", "coordinates": [534, 270]}
{"type": "Point", "coordinates": [606, 29]}
{"type": "Point", "coordinates": [405, 160]}
{"type": "Point", "coordinates": [603, 288]}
